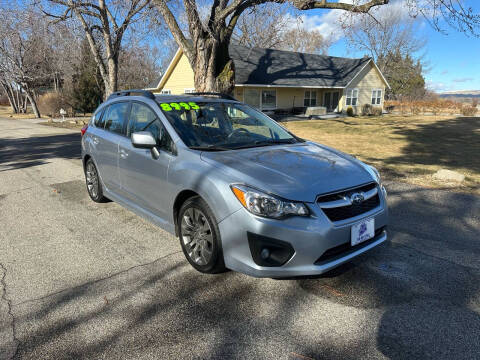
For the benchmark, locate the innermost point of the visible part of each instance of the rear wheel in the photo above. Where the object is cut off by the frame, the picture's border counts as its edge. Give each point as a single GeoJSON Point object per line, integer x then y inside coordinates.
{"type": "Point", "coordinates": [94, 186]}
{"type": "Point", "coordinates": [200, 237]}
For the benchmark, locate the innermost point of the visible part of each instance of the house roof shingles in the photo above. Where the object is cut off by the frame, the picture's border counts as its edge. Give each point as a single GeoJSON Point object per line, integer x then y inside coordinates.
{"type": "Point", "coordinates": [286, 68]}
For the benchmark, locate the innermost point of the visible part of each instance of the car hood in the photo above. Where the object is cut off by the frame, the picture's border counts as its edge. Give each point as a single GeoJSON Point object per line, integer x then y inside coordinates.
{"type": "Point", "coordinates": [295, 172]}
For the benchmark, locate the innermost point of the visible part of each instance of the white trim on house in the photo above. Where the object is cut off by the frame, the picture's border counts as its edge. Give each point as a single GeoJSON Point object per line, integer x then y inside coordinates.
{"type": "Point", "coordinates": [351, 97]}
{"type": "Point", "coordinates": [376, 98]}
{"type": "Point", "coordinates": [261, 107]}
{"type": "Point", "coordinates": [383, 77]}
{"type": "Point", "coordinates": [376, 67]}
{"type": "Point", "coordinates": [167, 71]}
{"type": "Point", "coordinates": [261, 100]}
{"type": "Point", "coordinates": [154, 88]}
{"type": "Point", "coordinates": [290, 86]}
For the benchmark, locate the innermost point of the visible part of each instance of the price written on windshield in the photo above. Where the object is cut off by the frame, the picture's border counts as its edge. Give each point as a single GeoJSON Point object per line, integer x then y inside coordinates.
{"type": "Point", "coordinates": [173, 106]}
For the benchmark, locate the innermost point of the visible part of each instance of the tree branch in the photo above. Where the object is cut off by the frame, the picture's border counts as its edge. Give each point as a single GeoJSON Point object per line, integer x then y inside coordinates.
{"type": "Point", "coordinates": [174, 27]}
{"type": "Point", "coordinates": [323, 4]}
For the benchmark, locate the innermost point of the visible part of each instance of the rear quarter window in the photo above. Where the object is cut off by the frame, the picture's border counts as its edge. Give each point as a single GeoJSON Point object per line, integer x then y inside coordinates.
{"type": "Point", "coordinates": [98, 119]}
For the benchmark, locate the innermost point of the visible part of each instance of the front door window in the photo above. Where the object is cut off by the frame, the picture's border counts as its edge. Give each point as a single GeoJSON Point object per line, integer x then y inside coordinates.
{"type": "Point", "coordinates": [331, 101]}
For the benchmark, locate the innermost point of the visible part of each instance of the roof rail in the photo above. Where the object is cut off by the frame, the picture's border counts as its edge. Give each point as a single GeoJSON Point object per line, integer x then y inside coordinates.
{"type": "Point", "coordinates": [220, 95]}
{"type": "Point", "coordinates": [133, 92]}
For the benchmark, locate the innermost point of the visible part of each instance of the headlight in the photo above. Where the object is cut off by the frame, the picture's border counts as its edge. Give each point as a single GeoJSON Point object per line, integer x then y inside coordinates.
{"type": "Point", "coordinates": [377, 174]}
{"type": "Point", "coordinates": [259, 203]}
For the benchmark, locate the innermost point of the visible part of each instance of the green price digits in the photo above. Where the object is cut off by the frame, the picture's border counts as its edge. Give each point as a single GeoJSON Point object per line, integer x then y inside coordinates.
{"type": "Point", "coordinates": [173, 106]}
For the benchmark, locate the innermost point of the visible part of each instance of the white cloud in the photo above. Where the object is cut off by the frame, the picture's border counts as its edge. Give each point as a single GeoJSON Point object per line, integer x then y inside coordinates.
{"type": "Point", "coordinates": [462, 80]}
{"type": "Point", "coordinates": [330, 24]}
{"type": "Point", "coordinates": [436, 86]}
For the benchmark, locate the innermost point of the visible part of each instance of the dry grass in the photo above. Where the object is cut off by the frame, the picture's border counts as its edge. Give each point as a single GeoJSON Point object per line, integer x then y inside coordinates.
{"type": "Point", "coordinates": [66, 124]}
{"type": "Point", "coordinates": [403, 148]}
{"type": "Point", "coordinates": [6, 112]}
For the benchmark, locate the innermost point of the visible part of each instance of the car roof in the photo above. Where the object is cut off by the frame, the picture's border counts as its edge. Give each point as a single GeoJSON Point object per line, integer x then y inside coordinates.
{"type": "Point", "coordinates": [193, 97]}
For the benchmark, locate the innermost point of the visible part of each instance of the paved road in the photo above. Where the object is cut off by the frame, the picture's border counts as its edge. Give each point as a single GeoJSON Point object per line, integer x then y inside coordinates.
{"type": "Point", "coordinates": [85, 280]}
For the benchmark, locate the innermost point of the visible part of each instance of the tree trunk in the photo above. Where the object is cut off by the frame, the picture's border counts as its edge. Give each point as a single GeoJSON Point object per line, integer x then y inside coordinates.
{"type": "Point", "coordinates": [214, 70]}
{"type": "Point", "coordinates": [24, 103]}
{"type": "Point", "coordinates": [111, 80]}
{"type": "Point", "coordinates": [20, 105]}
{"type": "Point", "coordinates": [33, 103]}
{"type": "Point", "coordinates": [11, 97]}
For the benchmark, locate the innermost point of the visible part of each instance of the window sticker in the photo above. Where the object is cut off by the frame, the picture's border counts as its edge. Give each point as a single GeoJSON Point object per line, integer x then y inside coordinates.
{"type": "Point", "coordinates": [179, 106]}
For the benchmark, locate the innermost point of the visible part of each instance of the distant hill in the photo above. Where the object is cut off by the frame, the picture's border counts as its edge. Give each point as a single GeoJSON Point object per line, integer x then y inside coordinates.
{"type": "Point", "coordinates": [461, 94]}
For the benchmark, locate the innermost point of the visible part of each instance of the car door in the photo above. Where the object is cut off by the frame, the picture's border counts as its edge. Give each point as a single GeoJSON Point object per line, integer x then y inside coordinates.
{"type": "Point", "coordinates": [144, 179]}
{"type": "Point", "coordinates": [115, 121]}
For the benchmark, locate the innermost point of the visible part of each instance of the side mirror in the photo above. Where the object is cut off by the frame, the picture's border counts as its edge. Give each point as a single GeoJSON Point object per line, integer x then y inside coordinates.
{"type": "Point", "coordinates": [143, 140]}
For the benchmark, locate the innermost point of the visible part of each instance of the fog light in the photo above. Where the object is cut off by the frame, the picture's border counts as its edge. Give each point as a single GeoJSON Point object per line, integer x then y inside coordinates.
{"type": "Point", "coordinates": [268, 251]}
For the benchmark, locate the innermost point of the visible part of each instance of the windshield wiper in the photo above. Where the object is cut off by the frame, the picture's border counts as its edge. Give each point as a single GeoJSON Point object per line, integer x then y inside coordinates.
{"type": "Point", "coordinates": [259, 143]}
{"type": "Point", "coordinates": [210, 148]}
{"type": "Point", "coordinates": [275, 141]}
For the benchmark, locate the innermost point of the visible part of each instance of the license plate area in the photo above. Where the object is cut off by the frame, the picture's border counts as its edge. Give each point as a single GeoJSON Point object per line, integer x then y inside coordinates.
{"type": "Point", "coordinates": [362, 231]}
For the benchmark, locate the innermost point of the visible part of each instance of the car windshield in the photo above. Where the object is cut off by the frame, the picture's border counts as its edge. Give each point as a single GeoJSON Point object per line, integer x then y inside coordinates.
{"type": "Point", "coordinates": [217, 126]}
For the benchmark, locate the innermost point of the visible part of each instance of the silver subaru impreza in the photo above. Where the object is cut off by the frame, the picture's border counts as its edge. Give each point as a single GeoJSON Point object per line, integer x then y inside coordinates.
{"type": "Point", "coordinates": [238, 189]}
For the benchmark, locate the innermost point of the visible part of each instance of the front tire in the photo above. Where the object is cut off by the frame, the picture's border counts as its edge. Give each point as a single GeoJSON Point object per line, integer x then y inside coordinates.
{"type": "Point", "coordinates": [94, 185]}
{"type": "Point", "coordinates": [200, 236]}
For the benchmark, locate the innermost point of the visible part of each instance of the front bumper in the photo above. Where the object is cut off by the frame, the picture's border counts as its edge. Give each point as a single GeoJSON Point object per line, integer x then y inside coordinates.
{"type": "Point", "coordinates": [310, 238]}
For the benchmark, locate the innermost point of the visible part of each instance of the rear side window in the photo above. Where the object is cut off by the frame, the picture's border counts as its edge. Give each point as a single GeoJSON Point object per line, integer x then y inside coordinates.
{"type": "Point", "coordinates": [142, 118]}
{"type": "Point", "coordinates": [115, 117]}
{"type": "Point", "coordinates": [98, 119]}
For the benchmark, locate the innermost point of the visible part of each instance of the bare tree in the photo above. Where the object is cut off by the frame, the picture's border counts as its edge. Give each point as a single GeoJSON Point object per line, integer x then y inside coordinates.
{"type": "Point", "coordinates": [25, 56]}
{"type": "Point", "coordinates": [303, 40]}
{"type": "Point", "coordinates": [274, 26]}
{"type": "Point", "coordinates": [104, 24]}
{"type": "Point", "coordinates": [384, 31]}
{"type": "Point", "coordinates": [395, 41]}
{"type": "Point", "coordinates": [139, 65]}
{"type": "Point", "coordinates": [263, 26]}
{"type": "Point", "coordinates": [206, 45]}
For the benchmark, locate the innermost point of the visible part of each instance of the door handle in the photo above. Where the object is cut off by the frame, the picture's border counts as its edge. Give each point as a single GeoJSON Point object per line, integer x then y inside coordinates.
{"type": "Point", "coordinates": [123, 154]}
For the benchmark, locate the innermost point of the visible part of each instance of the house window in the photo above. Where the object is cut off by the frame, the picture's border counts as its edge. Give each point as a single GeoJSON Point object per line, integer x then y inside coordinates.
{"type": "Point", "coordinates": [376, 97]}
{"type": "Point", "coordinates": [166, 92]}
{"type": "Point", "coordinates": [252, 97]}
{"type": "Point", "coordinates": [352, 97]}
{"type": "Point", "coordinates": [269, 99]}
{"type": "Point", "coordinates": [310, 98]}
{"type": "Point", "coordinates": [189, 91]}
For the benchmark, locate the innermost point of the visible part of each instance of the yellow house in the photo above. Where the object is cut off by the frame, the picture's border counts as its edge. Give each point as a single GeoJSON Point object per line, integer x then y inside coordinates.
{"type": "Point", "coordinates": [285, 81]}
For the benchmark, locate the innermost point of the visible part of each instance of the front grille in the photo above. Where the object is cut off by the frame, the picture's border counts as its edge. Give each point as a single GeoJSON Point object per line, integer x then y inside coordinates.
{"type": "Point", "coordinates": [348, 211]}
{"type": "Point", "coordinates": [340, 251]}
{"type": "Point", "coordinates": [339, 194]}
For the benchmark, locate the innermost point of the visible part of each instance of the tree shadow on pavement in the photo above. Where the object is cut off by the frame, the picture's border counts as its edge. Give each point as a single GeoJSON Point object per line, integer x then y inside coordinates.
{"type": "Point", "coordinates": [451, 143]}
{"type": "Point", "coordinates": [416, 296]}
{"type": "Point", "coordinates": [25, 152]}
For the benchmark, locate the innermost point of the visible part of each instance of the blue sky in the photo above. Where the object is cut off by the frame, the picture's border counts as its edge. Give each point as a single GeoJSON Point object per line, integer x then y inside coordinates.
{"type": "Point", "coordinates": [453, 59]}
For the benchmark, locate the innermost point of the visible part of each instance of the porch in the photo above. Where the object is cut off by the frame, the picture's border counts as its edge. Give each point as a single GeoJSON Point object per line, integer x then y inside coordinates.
{"type": "Point", "coordinates": [290, 100]}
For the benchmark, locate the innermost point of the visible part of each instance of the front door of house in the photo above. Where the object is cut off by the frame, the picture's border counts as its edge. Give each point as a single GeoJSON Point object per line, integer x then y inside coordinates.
{"type": "Point", "coordinates": [328, 100]}
{"type": "Point", "coordinates": [331, 101]}
{"type": "Point", "coordinates": [335, 101]}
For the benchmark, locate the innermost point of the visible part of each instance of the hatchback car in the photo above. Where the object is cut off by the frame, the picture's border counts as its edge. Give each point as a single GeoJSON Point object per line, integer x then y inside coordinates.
{"type": "Point", "coordinates": [238, 189]}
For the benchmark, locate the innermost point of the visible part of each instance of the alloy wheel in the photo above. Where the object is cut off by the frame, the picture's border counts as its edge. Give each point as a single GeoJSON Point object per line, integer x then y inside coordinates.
{"type": "Point", "coordinates": [197, 236]}
{"type": "Point", "coordinates": [92, 180]}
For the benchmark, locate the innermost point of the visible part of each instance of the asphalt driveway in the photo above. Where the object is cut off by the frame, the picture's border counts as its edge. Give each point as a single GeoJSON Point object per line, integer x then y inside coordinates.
{"type": "Point", "coordinates": [86, 280]}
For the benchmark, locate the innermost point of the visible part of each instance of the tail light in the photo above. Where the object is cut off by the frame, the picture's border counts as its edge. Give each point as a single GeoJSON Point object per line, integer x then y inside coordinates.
{"type": "Point", "coordinates": [84, 129]}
